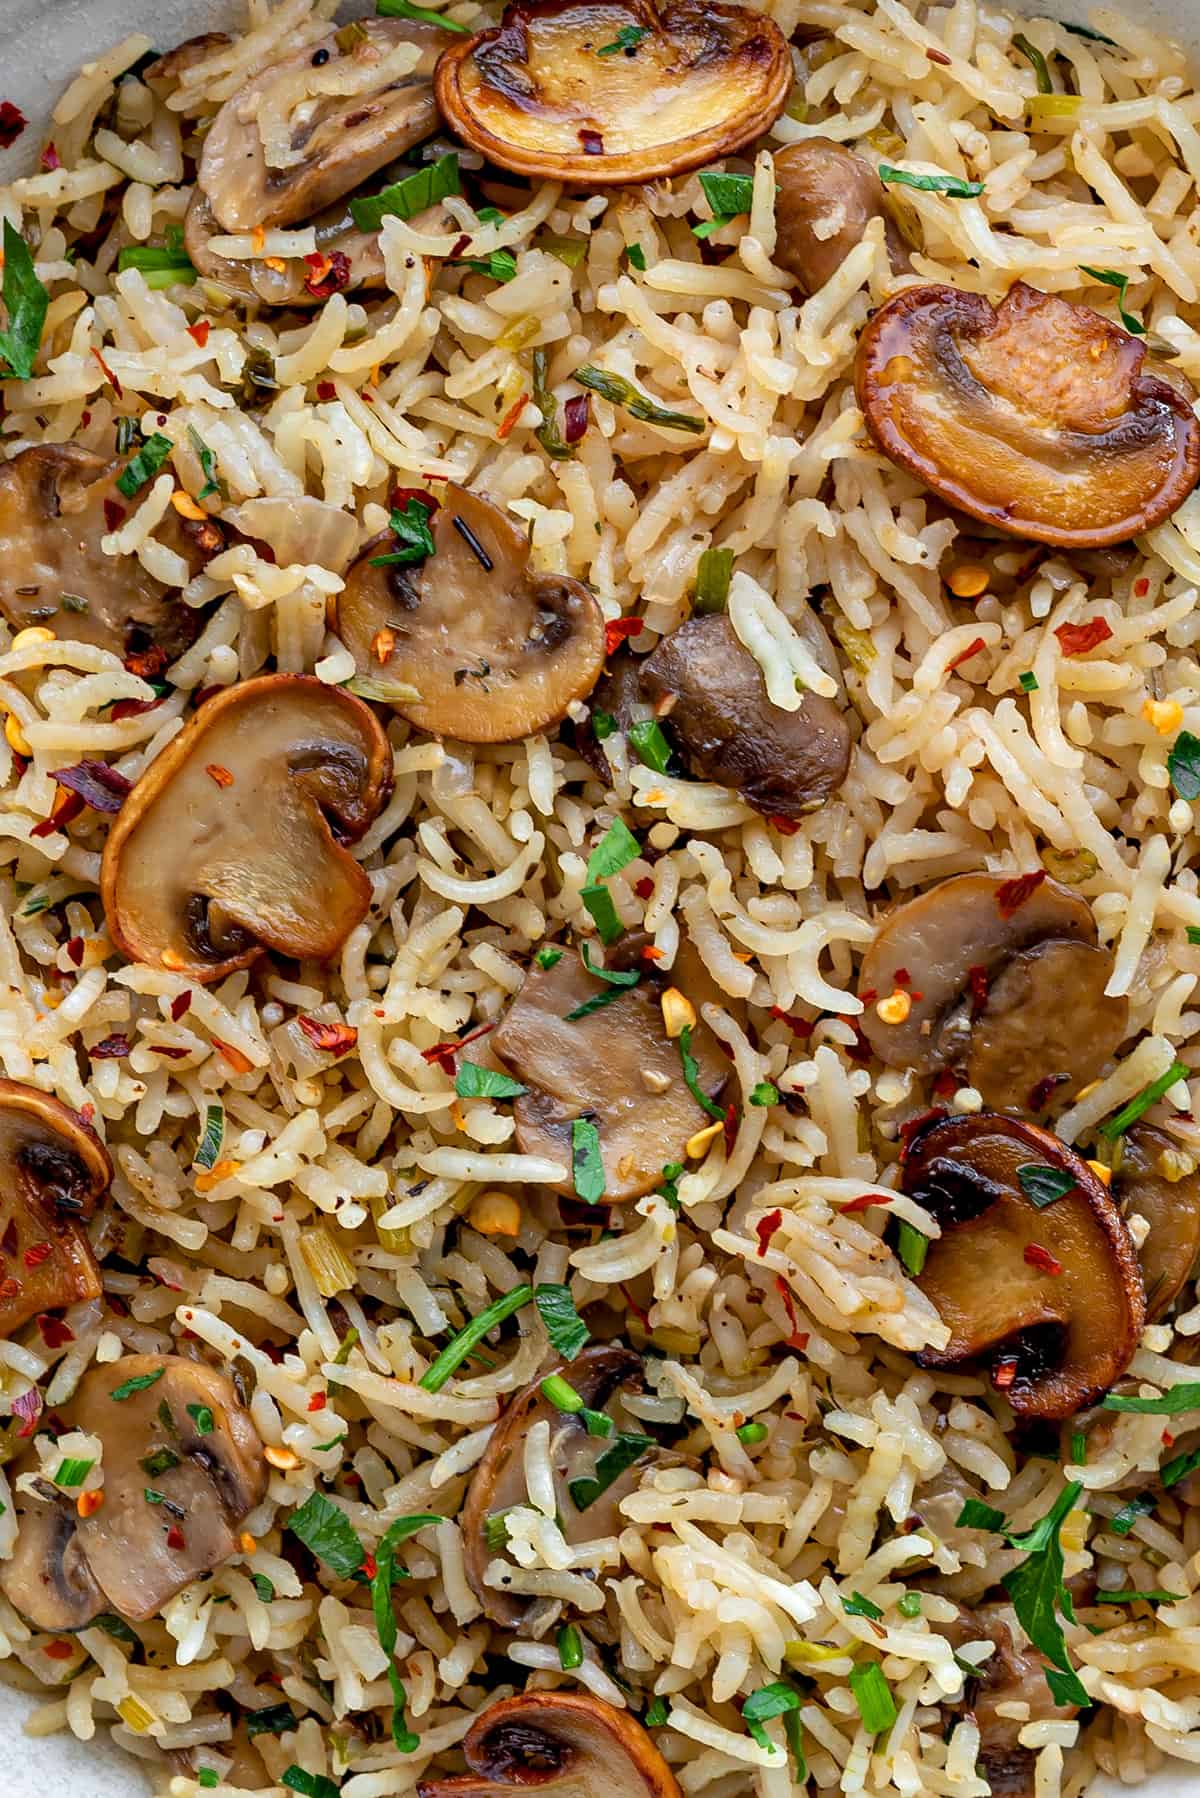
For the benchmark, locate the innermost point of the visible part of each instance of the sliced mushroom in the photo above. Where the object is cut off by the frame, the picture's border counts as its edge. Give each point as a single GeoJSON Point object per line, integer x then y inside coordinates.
{"type": "Point", "coordinates": [1009, 1677]}
{"type": "Point", "coordinates": [599, 1376]}
{"type": "Point", "coordinates": [494, 651]}
{"type": "Point", "coordinates": [1005, 984]}
{"type": "Point", "coordinates": [183, 1466]}
{"type": "Point", "coordinates": [164, 74]}
{"type": "Point", "coordinates": [616, 1067]}
{"type": "Point", "coordinates": [554, 91]}
{"type": "Point", "coordinates": [713, 696]}
{"type": "Point", "coordinates": [1045, 1288]}
{"type": "Point", "coordinates": [289, 143]}
{"type": "Point", "coordinates": [1152, 1181]}
{"type": "Point", "coordinates": [1039, 417]}
{"type": "Point", "coordinates": [53, 1168]}
{"type": "Point", "coordinates": [567, 1742]}
{"type": "Point", "coordinates": [57, 501]}
{"type": "Point", "coordinates": [232, 842]}
{"type": "Point", "coordinates": [825, 198]}
{"type": "Point", "coordinates": [286, 282]}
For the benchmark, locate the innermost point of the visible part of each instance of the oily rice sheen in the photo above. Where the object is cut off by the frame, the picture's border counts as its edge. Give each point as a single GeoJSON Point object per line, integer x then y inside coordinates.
{"type": "Point", "coordinates": [312, 1197]}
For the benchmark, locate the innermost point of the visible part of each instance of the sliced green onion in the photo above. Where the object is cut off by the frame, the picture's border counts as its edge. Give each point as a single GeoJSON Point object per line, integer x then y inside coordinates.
{"type": "Point", "coordinates": [547, 958]}
{"type": "Point", "coordinates": [656, 1714]}
{"type": "Point", "coordinates": [1112, 277]}
{"type": "Point", "coordinates": [764, 1093]}
{"type": "Point", "coordinates": [910, 1605]}
{"type": "Point", "coordinates": [620, 392]}
{"type": "Point", "coordinates": [1149, 1095]}
{"type": "Point", "coordinates": [1042, 73]}
{"type": "Point", "coordinates": [138, 1383]}
{"type": "Point", "coordinates": [652, 746]}
{"type": "Point", "coordinates": [1027, 681]}
{"type": "Point", "coordinates": [1127, 1516]}
{"type": "Point", "coordinates": [423, 15]}
{"type": "Point", "coordinates": [570, 1648]}
{"type": "Point", "coordinates": [858, 1606]}
{"type": "Point", "coordinates": [562, 1395]}
{"type": "Point", "coordinates": [457, 1350]}
{"type": "Point", "coordinates": [751, 1433]}
{"type": "Point", "coordinates": [1078, 1449]}
{"type": "Point", "coordinates": [912, 1247]}
{"type": "Point", "coordinates": [72, 1471]}
{"type": "Point", "coordinates": [713, 572]}
{"type": "Point", "coordinates": [873, 1696]}
{"type": "Point", "coordinates": [495, 1530]}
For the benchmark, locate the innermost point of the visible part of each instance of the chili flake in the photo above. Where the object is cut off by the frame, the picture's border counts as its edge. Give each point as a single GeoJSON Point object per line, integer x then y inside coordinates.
{"type": "Point", "coordinates": [798, 1026]}
{"type": "Point", "coordinates": [1077, 639]}
{"type": "Point", "coordinates": [36, 1253]}
{"type": "Point", "coordinates": [1037, 1256]}
{"type": "Point", "coordinates": [644, 887]}
{"type": "Point", "coordinates": [175, 1538]}
{"type": "Point", "coordinates": [617, 629]}
{"type": "Point", "coordinates": [1012, 894]}
{"type": "Point", "coordinates": [317, 1401]}
{"type": "Point", "coordinates": [109, 375]}
{"type": "Point", "coordinates": [54, 1332]}
{"type": "Point", "coordinates": [326, 390]}
{"type": "Point", "coordinates": [505, 427]}
{"type": "Point", "coordinates": [222, 776]}
{"type": "Point", "coordinates": [58, 1651]}
{"type": "Point", "coordinates": [865, 1200]}
{"type": "Point", "coordinates": [199, 332]}
{"type": "Point", "coordinates": [1005, 1373]}
{"type": "Point", "coordinates": [973, 648]}
{"type": "Point", "coordinates": [330, 1038]}
{"type": "Point", "coordinates": [12, 123]}
{"type": "Point", "coordinates": [88, 1503]}
{"type": "Point", "coordinates": [787, 827]}
{"type": "Point", "coordinates": [241, 1064]}
{"type": "Point", "coordinates": [765, 1228]}
{"type": "Point", "coordinates": [383, 643]}
{"type": "Point", "coordinates": [797, 1339]}
{"type": "Point", "coordinates": [179, 1004]}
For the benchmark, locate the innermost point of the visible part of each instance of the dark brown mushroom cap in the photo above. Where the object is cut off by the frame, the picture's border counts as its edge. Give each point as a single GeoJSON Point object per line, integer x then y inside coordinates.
{"type": "Point", "coordinates": [498, 1483]}
{"type": "Point", "coordinates": [596, 1067]}
{"type": "Point", "coordinates": [53, 1169]}
{"type": "Point", "coordinates": [52, 517]}
{"type": "Point", "coordinates": [1039, 417]}
{"type": "Point", "coordinates": [533, 94]}
{"type": "Point", "coordinates": [557, 1741]}
{"type": "Point", "coordinates": [714, 700]}
{"type": "Point", "coordinates": [495, 651]}
{"type": "Point", "coordinates": [345, 137]}
{"type": "Point", "coordinates": [931, 943]}
{"type": "Point", "coordinates": [1171, 1206]}
{"type": "Point", "coordinates": [825, 198]}
{"type": "Point", "coordinates": [134, 1553]}
{"type": "Point", "coordinates": [1071, 1333]}
{"type": "Point", "coordinates": [232, 842]}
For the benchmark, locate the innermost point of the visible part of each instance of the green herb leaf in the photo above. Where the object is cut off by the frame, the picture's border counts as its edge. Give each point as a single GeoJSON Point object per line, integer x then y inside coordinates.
{"type": "Point", "coordinates": [1027, 681]}
{"type": "Point", "coordinates": [1112, 277]}
{"type": "Point", "coordinates": [1078, 1448]}
{"type": "Point", "coordinates": [207, 1778]}
{"type": "Point", "coordinates": [72, 1471]}
{"type": "Point", "coordinates": [599, 902]}
{"type": "Point", "coordinates": [1127, 1516]}
{"type": "Point", "coordinates": [587, 1166]}
{"type": "Point", "coordinates": [501, 265]}
{"type": "Point", "coordinates": [138, 1383]}
{"type": "Point", "coordinates": [651, 744]}
{"type": "Point", "coordinates": [208, 1149]}
{"type": "Point", "coordinates": [975, 1515]}
{"type": "Point", "coordinates": [615, 850]}
{"type": "Point", "coordinates": [386, 1573]}
{"type": "Point", "coordinates": [26, 301]}
{"type": "Point", "coordinates": [404, 199]}
{"type": "Point", "coordinates": [424, 15]}
{"type": "Point", "coordinates": [326, 1531]}
{"type": "Point", "coordinates": [952, 185]}
{"type": "Point", "coordinates": [625, 1450]}
{"type": "Point", "coordinates": [475, 1082]}
{"type": "Point", "coordinates": [411, 531]}
{"type": "Point", "coordinates": [205, 455]}
{"type": "Point", "coordinates": [1037, 1591]}
{"type": "Point", "coordinates": [264, 1587]}
{"type": "Point", "coordinates": [620, 392]}
{"type": "Point", "coordinates": [161, 1461]}
{"type": "Point", "coordinates": [873, 1696]}
{"type": "Point", "coordinates": [202, 1417]}
{"type": "Point", "coordinates": [1171, 1472]}
{"type": "Point", "coordinates": [457, 1350]}
{"type": "Point", "coordinates": [563, 1325]}
{"type": "Point", "coordinates": [727, 195]}
{"type": "Point", "coordinates": [1095, 37]}
{"type": "Point", "coordinates": [858, 1606]}
{"type": "Point", "coordinates": [311, 1785]}
{"type": "Point", "coordinates": [547, 958]}
{"type": "Point", "coordinates": [713, 573]}
{"type": "Point", "coordinates": [1141, 1103]}
{"type": "Point", "coordinates": [752, 1433]}
{"type": "Point", "coordinates": [764, 1094]}
{"type": "Point", "coordinates": [548, 433]}
{"type": "Point", "coordinates": [1172, 1402]}
{"type": "Point", "coordinates": [1067, 1688]}
{"type": "Point", "coordinates": [611, 976]}
{"type": "Point", "coordinates": [910, 1605]}
{"type": "Point", "coordinates": [145, 465]}
{"type": "Point", "coordinates": [691, 1074]}
{"type": "Point", "coordinates": [272, 1720]}
{"type": "Point", "coordinates": [1043, 1185]}
{"type": "Point", "coordinates": [1044, 83]}
{"type": "Point", "coordinates": [635, 256]}
{"type": "Point", "coordinates": [912, 1247]}
{"type": "Point", "coordinates": [656, 1714]}
{"type": "Point", "coordinates": [570, 1648]}
{"type": "Point", "coordinates": [162, 267]}
{"type": "Point", "coordinates": [628, 38]}
{"type": "Point", "coordinates": [1183, 765]}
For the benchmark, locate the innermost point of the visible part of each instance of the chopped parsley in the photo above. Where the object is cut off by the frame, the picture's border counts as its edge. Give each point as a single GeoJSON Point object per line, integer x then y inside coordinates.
{"type": "Point", "coordinates": [1183, 765]}
{"type": "Point", "coordinates": [145, 465]}
{"type": "Point", "coordinates": [691, 1074]}
{"type": "Point", "coordinates": [649, 740]}
{"type": "Point", "coordinates": [138, 1383]}
{"type": "Point", "coordinates": [326, 1532]}
{"type": "Point", "coordinates": [627, 39]}
{"type": "Point", "coordinates": [501, 265]}
{"type": "Point", "coordinates": [1043, 1185]}
{"type": "Point", "coordinates": [635, 256]}
{"type": "Point", "coordinates": [656, 1714]}
{"type": "Point", "coordinates": [310, 1785]}
{"type": "Point", "coordinates": [475, 1082]}
{"type": "Point", "coordinates": [1141, 1102]}
{"type": "Point", "coordinates": [1171, 1403]}
{"type": "Point", "coordinates": [563, 1325]}
{"type": "Point", "coordinates": [384, 1578]}
{"type": "Point", "coordinates": [548, 958]}
{"type": "Point", "coordinates": [163, 1460]}
{"type": "Point", "coordinates": [205, 456]}
{"type": "Point", "coordinates": [1112, 277]}
{"type": "Point", "coordinates": [1037, 1592]}
{"type": "Point", "coordinates": [264, 1587]}
{"type": "Point", "coordinates": [624, 1451]}
{"type": "Point", "coordinates": [26, 302]}
{"type": "Point", "coordinates": [858, 1606]}
{"type": "Point", "coordinates": [404, 199]}
{"type": "Point", "coordinates": [776, 1700]}
{"type": "Point", "coordinates": [952, 185]}
{"type": "Point", "coordinates": [1127, 1516]}
{"type": "Point", "coordinates": [727, 195]}
{"type": "Point", "coordinates": [975, 1515]}
{"type": "Point", "coordinates": [272, 1720]}
{"type": "Point", "coordinates": [411, 531]}
{"type": "Point", "coordinates": [202, 1417]}
{"type": "Point", "coordinates": [587, 1165]}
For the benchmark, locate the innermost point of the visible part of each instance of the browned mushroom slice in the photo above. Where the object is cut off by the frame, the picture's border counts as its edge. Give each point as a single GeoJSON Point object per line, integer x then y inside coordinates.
{"type": "Point", "coordinates": [598, 1375]}
{"type": "Point", "coordinates": [1153, 1181]}
{"type": "Point", "coordinates": [183, 1465]}
{"type": "Point", "coordinates": [232, 842]}
{"type": "Point", "coordinates": [712, 695]}
{"type": "Point", "coordinates": [1041, 417]}
{"type": "Point", "coordinates": [279, 282]}
{"type": "Point", "coordinates": [968, 953]}
{"type": "Point", "coordinates": [56, 502]}
{"type": "Point", "coordinates": [323, 142]}
{"type": "Point", "coordinates": [1010, 1676]}
{"type": "Point", "coordinates": [556, 91]}
{"type": "Point", "coordinates": [53, 1168]}
{"type": "Point", "coordinates": [565, 1742]}
{"type": "Point", "coordinates": [1034, 1271]}
{"type": "Point", "coordinates": [494, 651]}
{"type": "Point", "coordinates": [617, 1067]}
{"type": "Point", "coordinates": [825, 198]}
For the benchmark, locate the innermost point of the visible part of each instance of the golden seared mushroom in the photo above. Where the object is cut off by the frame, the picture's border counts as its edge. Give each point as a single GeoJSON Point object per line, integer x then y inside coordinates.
{"type": "Point", "coordinates": [616, 1067]}
{"type": "Point", "coordinates": [57, 501]}
{"type": "Point", "coordinates": [1034, 1272]}
{"type": "Point", "coordinates": [567, 1742]}
{"type": "Point", "coordinates": [233, 841]}
{"type": "Point", "coordinates": [1039, 417]}
{"type": "Point", "coordinates": [613, 91]}
{"type": "Point", "coordinates": [1157, 1180]}
{"type": "Point", "coordinates": [599, 1376]}
{"type": "Point", "coordinates": [53, 1169]}
{"type": "Point", "coordinates": [183, 1465]}
{"type": "Point", "coordinates": [999, 979]}
{"type": "Point", "coordinates": [712, 695]}
{"type": "Point", "coordinates": [825, 198]}
{"type": "Point", "coordinates": [470, 643]}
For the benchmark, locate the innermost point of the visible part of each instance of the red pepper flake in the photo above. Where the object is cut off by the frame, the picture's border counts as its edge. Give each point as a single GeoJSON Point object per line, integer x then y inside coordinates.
{"type": "Point", "coordinates": [401, 497]}
{"type": "Point", "coordinates": [617, 629]}
{"type": "Point", "coordinates": [765, 1228]}
{"type": "Point", "coordinates": [29, 1406]}
{"type": "Point", "coordinates": [939, 56]}
{"type": "Point", "coordinates": [577, 413]}
{"type": "Point", "coordinates": [443, 1053]}
{"type": "Point", "coordinates": [369, 1566]}
{"type": "Point", "coordinates": [868, 995]}
{"type": "Point", "coordinates": [111, 1048]}
{"type": "Point", "coordinates": [1012, 894]}
{"type": "Point", "coordinates": [1037, 1256]}
{"type": "Point", "coordinates": [978, 977]}
{"type": "Point", "coordinates": [946, 1083]}
{"type": "Point", "coordinates": [67, 809]}
{"type": "Point", "coordinates": [317, 1401]}
{"type": "Point", "coordinates": [787, 827]}
{"type": "Point", "coordinates": [147, 664]}
{"type": "Point", "coordinates": [50, 158]}
{"type": "Point", "coordinates": [732, 1119]}
{"type": "Point", "coordinates": [241, 1064]}
{"type": "Point", "coordinates": [643, 1317]}
{"type": "Point", "coordinates": [9, 1288]}
{"type": "Point", "coordinates": [1077, 639]}
{"type": "Point", "coordinates": [131, 708]}
{"type": "Point", "coordinates": [171, 1051]}
{"type": "Point", "coordinates": [221, 775]}
{"type": "Point", "coordinates": [329, 273]}
{"type": "Point", "coordinates": [592, 142]}
{"type": "Point", "coordinates": [199, 332]}
{"type": "Point", "coordinates": [644, 887]}
{"type": "Point", "coordinates": [505, 427]}
{"type": "Point", "coordinates": [113, 514]}
{"type": "Point", "coordinates": [12, 123]}
{"type": "Point", "coordinates": [1141, 587]}
{"type": "Point", "coordinates": [860, 1050]}
{"type": "Point", "coordinates": [965, 655]}
{"type": "Point", "coordinates": [798, 1026]}
{"type": "Point", "coordinates": [109, 375]}
{"type": "Point", "coordinates": [75, 950]}
{"type": "Point", "coordinates": [97, 784]}
{"type": "Point", "coordinates": [54, 1332]}
{"type": "Point", "coordinates": [459, 245]}
{"type": "Point", "coordinates": [36, 1253]}
{"type": "Point", "coordinates": [331, 1039]}
{"type": "Point", "coordinates": [797, 1339]}
{"type": "Point", "coordinates": [326, 390]}
{"type": "Point", "coordinates": [175, 1538]}
{"type": "Point", "coordinates": [180, 1004]}
{"type": "Point", "coordinates": [58, 1651]}
{"type": "Point", "coordinates": [1168, 1440]}
{"type": "Point", "coordinates": [1040, 1097]}
{"type": "Point", "coordinates": [1005, 1373]}
{"type": "Point", "coordinates": [865, 1201]}
{"type": "Point", "coordinates": [651, 953]}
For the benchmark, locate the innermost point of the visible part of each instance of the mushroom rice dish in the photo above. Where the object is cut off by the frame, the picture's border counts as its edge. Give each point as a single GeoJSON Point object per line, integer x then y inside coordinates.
{"type": "Point", "coordinates": [599, 903]}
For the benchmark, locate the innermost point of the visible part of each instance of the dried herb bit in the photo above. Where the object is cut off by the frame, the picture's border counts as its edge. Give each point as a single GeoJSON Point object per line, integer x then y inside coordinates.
{"type": "Point", "coordinates": [548, 433]}
{"type": "Point", "coordinates": [161, 1461]}
{"type": "Point", "coordinates": [424, 15]}
{"type": "Point", "coordinates": [26, 302]}
{"type": "Point", "coordinates": [404, 199]}
{"type": "Point", "coordinates": [1112, 277]}
{"type": "Point", "coordinates": [411, 531]}
{"type": "Point", "coordinates": [145, 465]}
{"type": "Point", "coordinates": [1141, 1102]}
{"type": "Point", "coordinates": [475, 1082]}
{"type": "Point", "coordinates": [587, 1167]}
{"type": "Point", "coordinates": [952, 185]}
{"type": "Point", "coordinates": [1043, 1185]}
{"type": "Point", "coordinates": [1042, 73]}
{"type": "Point", "coordinates": [625, 1450]}
{"type": "Point", "coordinates": [457, 1350]}
{"type": "Point", "coordinates": [326, 1532]}
{"type": "Point", "coordinates": [620, 392]}
{"type": "Point", "coordinates": [138, 1383]}
{"type": "Point", "coordinates": [713, 572]}
{"type": "Point", "coordinates": [1183, 765]}
{"type": "Point", "coordinates": [628, 38]}
{"type": "Point", "coordinates": [691, 1073]}
{"type": "Point", "coordinates": [728, 195]}
{"type": "Point", "coordinates": [563, 1325]}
